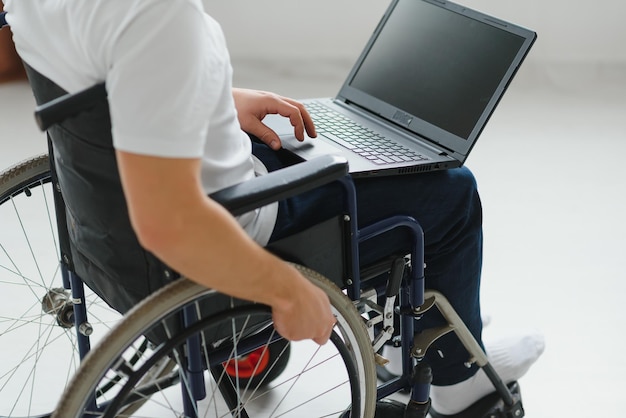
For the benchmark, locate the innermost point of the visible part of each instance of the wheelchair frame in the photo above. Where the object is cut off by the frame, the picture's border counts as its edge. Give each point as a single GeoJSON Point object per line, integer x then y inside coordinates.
{"type": "Point", "coordinates": [413, 300]}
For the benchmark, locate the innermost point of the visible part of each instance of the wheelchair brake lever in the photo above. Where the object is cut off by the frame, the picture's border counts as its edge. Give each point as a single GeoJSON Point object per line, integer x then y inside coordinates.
{"type": "Point", "coordinates": [395, 277]}
{"type": "Point", "coordinates": [387, 332]}
{"type": "Point", "coordinates": [396, 274]}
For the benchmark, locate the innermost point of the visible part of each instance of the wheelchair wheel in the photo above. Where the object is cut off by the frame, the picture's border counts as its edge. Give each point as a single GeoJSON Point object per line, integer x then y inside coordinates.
{"type": "Point", "coordinates": [39, 348]}
{"type": "Point", "coordinates": [337, 379]}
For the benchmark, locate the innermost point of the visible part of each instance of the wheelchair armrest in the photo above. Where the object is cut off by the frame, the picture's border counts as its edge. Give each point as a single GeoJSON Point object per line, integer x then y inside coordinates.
{"type": "Point", "coordinates": [281, 184]}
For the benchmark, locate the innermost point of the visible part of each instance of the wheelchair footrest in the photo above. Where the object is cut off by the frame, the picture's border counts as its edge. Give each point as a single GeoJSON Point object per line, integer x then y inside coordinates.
{"type": "Point", "coordinates": [491, 406]}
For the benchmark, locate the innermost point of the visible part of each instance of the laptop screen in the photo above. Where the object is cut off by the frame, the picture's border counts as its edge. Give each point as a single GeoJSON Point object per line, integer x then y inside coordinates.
{"type": "Point", "coordinates": [443, 67]}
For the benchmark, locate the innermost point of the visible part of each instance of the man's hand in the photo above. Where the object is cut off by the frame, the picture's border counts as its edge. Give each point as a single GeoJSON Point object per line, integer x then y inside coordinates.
{"type": "Point", "coordinates": [307, 315]}
{"type": "Point", "coordinates": [253, 106]}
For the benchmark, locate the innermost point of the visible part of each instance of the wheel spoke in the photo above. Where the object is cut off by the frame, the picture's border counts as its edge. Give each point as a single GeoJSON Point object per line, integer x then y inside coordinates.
{"type": "Point", "coordinates": [42, 355]}
{"type": "Point", "coordinates": [30, 247]}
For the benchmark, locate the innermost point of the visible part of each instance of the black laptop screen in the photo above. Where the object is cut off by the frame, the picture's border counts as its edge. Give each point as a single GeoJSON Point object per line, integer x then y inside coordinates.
{"type": "Point", "coordinates": [439, 66]}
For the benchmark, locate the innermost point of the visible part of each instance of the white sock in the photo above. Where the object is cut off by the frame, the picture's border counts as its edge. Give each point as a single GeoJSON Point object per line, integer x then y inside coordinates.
{"type": "Point", "coordinates": [510, 356]}
{"type": "Point", "coordinates": [394, 355]}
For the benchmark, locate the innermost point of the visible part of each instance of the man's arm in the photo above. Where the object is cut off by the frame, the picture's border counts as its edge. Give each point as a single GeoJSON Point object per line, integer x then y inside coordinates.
{"type": "Point", "coordinates": [176, 221]}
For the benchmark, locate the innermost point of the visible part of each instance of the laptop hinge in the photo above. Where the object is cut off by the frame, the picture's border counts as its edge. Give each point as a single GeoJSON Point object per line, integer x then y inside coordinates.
{"type": "Point", "coordinates": [443, 150]}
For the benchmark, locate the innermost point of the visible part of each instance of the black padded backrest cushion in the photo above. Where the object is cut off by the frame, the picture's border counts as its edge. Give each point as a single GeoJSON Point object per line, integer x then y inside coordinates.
{"type": "Point", "coordinates": [104, 248]}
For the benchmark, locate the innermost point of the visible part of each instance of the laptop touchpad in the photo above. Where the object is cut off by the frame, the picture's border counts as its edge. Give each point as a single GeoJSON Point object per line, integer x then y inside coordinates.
{"type": "Point", "coordinates": [310, 147]}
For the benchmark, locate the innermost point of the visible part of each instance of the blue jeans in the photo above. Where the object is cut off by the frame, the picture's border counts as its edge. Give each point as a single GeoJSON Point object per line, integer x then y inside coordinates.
{"type": "Point", "coordinates": [447, 206]}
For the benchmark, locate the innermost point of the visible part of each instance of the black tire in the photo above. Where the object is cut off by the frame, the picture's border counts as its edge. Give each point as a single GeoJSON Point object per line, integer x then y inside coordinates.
{"type": "Point", "coordinates": [389, 408]}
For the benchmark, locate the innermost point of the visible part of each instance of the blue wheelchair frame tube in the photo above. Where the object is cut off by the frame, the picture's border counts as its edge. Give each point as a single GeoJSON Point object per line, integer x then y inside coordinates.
{"type": "Point", "coordinates": [73, 282]}
{"type": "Point", "coordinates": [80, 308]}
{"type": "Point", "coordinates": [360, 235]}
{"type": "Point", "coordinates": [411, 296]}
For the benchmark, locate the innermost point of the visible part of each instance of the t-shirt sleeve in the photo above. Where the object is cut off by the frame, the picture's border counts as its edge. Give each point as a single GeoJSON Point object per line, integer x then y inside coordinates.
{"type": "Point", "coordinates": [165, 78]}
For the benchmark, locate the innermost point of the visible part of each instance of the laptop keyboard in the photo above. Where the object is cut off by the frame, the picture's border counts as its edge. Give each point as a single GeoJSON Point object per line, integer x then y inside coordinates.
{"type": "Point", "coordinates": [359, 139]}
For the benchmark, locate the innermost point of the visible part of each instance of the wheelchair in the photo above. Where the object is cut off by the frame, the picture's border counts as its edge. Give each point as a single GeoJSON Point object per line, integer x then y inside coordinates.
{"type": "Point", "coordinates": [188, 351]}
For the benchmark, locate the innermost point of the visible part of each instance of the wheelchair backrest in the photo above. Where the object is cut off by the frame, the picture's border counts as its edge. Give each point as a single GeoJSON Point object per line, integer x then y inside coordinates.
{"type": "Point", "coordinates": [103, 248]}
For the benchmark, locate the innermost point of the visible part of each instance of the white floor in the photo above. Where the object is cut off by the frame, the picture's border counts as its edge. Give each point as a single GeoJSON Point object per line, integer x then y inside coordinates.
{"type": "Point", "coordinates": [553, 184]}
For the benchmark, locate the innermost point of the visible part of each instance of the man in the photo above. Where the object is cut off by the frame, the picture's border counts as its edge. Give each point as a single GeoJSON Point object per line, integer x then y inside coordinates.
{"type": "Point", "coordinates": [178, 130]}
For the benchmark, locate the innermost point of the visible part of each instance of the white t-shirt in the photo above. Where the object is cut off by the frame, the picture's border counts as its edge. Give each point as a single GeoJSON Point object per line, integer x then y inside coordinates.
{"type": "Point", "coordinates": [168, 78]}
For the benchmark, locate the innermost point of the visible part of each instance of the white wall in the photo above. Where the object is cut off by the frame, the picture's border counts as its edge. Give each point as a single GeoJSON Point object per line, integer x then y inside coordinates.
{"type": "Point", "coordinates": [569, 30]}
{"type": "Point", "coordinates": [297, 29]}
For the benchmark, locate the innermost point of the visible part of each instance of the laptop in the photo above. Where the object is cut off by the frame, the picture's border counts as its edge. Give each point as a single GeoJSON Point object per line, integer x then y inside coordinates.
{"type": "Point", "coordinates": [420, 93]}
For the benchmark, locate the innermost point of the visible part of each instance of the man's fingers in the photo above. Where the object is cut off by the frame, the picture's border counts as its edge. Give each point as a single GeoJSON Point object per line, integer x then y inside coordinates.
{"type": "Point", "coordinates": [264, 133]}
{"type": "Point", "coordinates": [326, 336]}
{"type": "Point", "coordinates": [304, 117]}
{"type": "Point", "coordinates": [270, 138]}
